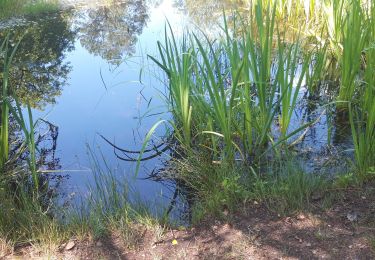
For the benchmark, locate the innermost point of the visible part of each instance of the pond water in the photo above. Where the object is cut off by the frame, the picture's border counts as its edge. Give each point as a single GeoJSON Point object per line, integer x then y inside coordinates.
{"type": "Point", "coordinates": [85, 70]}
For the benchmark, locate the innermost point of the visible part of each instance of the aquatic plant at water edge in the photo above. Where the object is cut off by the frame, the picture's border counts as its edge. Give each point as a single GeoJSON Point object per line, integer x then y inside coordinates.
{"type": "Point", "coordinates": [177, 64]}
{"type": "Point", "coordinates": [6, 58]}
{"type": "Point", "coordinates": [290, 77]}
{"type": "Point", "coordinates": [362, 117]}
{"type": "Point", "coordinates": [354, 40]}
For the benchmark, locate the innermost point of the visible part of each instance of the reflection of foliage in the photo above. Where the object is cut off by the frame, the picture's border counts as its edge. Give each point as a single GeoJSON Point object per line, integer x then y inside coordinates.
{"type": "Point", "coordinates": [45, 141]}
{"type": "Point", "coordinates": [9, 8]}
{"type": "Point", "coordinates": [111, 31]}
{"type": "Point", "coordinates": [207, 13]}
{"type": "Point", "coordinates": [38, 71]}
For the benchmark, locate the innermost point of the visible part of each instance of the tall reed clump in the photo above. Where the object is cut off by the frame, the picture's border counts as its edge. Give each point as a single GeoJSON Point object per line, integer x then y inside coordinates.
{"type": "Point", "coordinates": [221, 102]}
{"type": "Point", "coordinates": [177, 63]}
{"type": "Point", "coordinates": [354, 39]}
{"type": "Point", "coordinates": [362, 115]}
{"type": "Point", "coordinates": [224, 94]}
{"type": "Point", "coordinates": [28, 126]}
{"type": "Point", "coordinates": [236, 52]}
{"type": "Point", "coordinates": [258, 45]}
{"type": "Point", "coordinates": [210, 87]}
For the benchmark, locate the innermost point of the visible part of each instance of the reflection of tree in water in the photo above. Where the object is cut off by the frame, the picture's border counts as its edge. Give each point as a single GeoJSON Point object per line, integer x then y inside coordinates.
{"type": "Point", "coordinates": [111, 31]}
{"type": "Point", "coordinates": [37, 75]}
{"type": "Point", "coordinates": [207, 13]}
{"type": "Point", "coordinates": [38, 70]}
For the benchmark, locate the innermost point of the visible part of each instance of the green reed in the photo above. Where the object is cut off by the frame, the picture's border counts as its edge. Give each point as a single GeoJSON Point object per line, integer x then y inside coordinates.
{"type": "Point", "coordinates": [221, 97]}
{"type": "Point", "coordinates": [333, 12]}
{"type": "Point", "coordinates": [4, 130]}
{"type": "Point", "coordinates": [362, 121]}
{"type": "Point", "coordinates": [28, 129]}
{"type": "Point", "coordinates": [4, 119]}
{"type": "Point", "coordinates": [354, 39]}
{"type": "Point", "coordinates": [224, 93]}
{"type": "Point", "coordinates": [177, 61]}
{"type": "Point", "coordinates": [362, 115]}
{"type": "Point", "coordinates": [8, 108]}
{"type": "Point", "coordinates": [223, 89]}
{"type": "Point", "coordinates": [289, 78]}
{"type": "Point", "coordinates": [259, 46]}
{"type": "Point", "coordinates": [316, 73]}
{"type": "Point", "coordinates": [236, 51]}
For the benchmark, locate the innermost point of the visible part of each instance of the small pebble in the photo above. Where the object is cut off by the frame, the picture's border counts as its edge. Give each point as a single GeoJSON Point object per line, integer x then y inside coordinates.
{"type": "Point", "coordinates": [352, 216]}
{"type": "Point", "coordinates": [70, 245]}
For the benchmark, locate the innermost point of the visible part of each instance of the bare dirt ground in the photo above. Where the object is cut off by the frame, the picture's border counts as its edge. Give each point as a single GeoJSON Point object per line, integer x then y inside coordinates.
{"type": "Point", "coordinates": [345, 231]}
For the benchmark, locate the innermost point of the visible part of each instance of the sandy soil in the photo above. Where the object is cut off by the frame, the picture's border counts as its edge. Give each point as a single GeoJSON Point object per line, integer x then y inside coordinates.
{"type": "Point", "coordinates": [345, 231]}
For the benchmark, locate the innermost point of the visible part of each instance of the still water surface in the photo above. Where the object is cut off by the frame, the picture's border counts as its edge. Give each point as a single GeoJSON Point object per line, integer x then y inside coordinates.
{"type": "Point", "coordinates": [86, 71]}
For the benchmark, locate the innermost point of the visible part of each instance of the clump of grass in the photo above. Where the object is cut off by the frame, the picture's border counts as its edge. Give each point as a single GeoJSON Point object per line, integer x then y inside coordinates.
{"type": "Point", "coordinates": [24, 221]}
{"type": "Point", "coordinates": [5, 248]}
{"type": "Point", "coordinates": [216, 188]}
{"type": "Point", "coordinates": [109, 209]}
{"type": "Point", "coordinates": [344, 181]}
{"type": "Point", "coordinates": [285, 188]}
{"type": "Point", "coordinates": [220, 189]}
